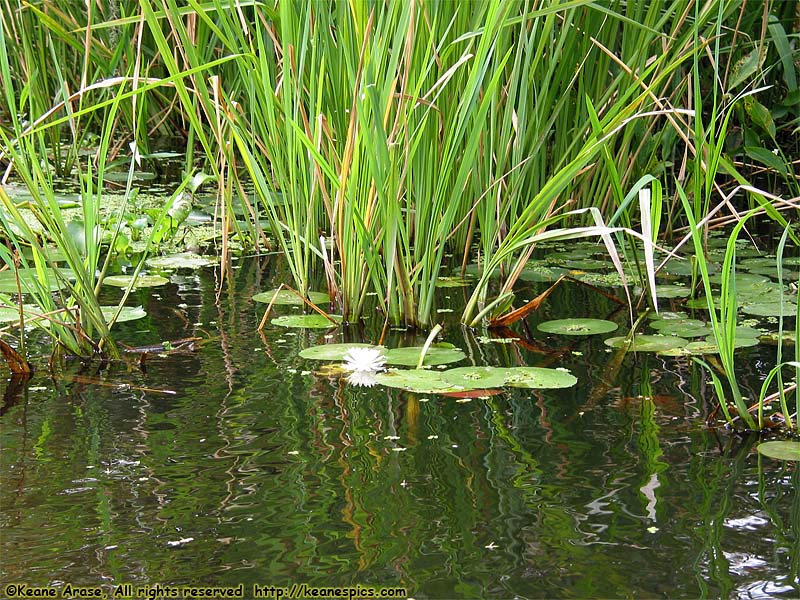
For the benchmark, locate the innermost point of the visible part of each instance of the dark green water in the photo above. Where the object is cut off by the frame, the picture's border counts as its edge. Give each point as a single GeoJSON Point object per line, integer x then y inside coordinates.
{"type": "Point", "coordinates": [279, 476]}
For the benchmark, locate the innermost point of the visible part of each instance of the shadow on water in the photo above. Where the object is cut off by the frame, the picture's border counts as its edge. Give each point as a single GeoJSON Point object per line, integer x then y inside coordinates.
{"type": "Point", "coordinates": [236, 463]}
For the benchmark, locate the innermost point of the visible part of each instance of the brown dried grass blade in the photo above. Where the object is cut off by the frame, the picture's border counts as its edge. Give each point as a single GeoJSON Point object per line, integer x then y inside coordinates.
{"type": "Point", "coordinates": [16, 363]}
{"type": "Point", "coordinates": [525, 310]}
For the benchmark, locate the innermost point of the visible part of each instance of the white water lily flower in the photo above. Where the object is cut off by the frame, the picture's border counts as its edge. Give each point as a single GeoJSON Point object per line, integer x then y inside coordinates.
{"type": "Point", "coordinates": [362, 378]}
{"type": "Point", "coordinates": [364, 360]}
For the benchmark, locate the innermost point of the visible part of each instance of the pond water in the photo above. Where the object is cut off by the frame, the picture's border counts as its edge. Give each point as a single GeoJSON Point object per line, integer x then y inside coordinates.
{"type": "Point", "coordinates": [237, 464]}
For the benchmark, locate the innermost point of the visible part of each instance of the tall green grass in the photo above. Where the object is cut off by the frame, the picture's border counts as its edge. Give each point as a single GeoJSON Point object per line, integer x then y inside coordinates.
{"type": "Point", "coordinates": [387, 142]}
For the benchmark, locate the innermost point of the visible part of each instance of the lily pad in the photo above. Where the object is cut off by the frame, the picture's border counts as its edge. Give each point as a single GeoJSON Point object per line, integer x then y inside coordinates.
{"type": "Point", "coordinates": [10, 314]}
{"type": "Point", "coordinates": [537, 272]}
{"type": "Point", "coordinates": [770, 309]}
{"type": "Point", "coordinates": [577, 326]}
{"type": "Point", "coordinates": [473, 378]}
{"type": "Point", "coordinates": [649, 343]}
{"type": "Point", "coordinates": [789, 337]}
{"type": "Point", "coordinates": [415, 380]}
{"type": "Point", "coordinates": [290, 298]}
{"type": "Point", "coordinates": [142, 281]}
{"type": "Point", "coordinates": [693, 349]}
{"type": "Point", "coordinates": [332, 351]}
{"type": "Point", "coordinates": [8, 280]}
{"type": "Point", "coordinates": [687, 328]}
{"type": "Point", "coordinates": [780, 450]}
{"type": "Point", "coordinates": [181, 260]}
{"type": "Point", "coordinates": [539, 378]}
{"type": "Point", "coordinates": [450, 282]}
{"type": "Point", "coordinates": [314, 321]}
{"type": "Point", "coordinates": [437, 354]}
{"type": "Point", "coordinates": [742, 341]}
{"type": "Point", "coordinates": [672, 291]}
{"type": "Point", "coordinates": [128, 313]}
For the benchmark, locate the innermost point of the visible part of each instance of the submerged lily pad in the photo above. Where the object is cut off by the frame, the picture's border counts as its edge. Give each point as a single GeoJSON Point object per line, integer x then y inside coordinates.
{"type": "Point", "coordinates": [181, 260]}
{"type": "Point", "coordinates": [314, 321]}
{"type": "Point", "coordinates": [290, 298]}
{"type": "Point", "coordinates": [449, 282]}
{"type": "Point", "coordinates": [539, 378]}
{"type": "Point", "coordinates": [332, 351]}
{"type": "Point", "coordinates": [780, 450]}
{"type": "Point", "coordinates": [415, 380]}
{"type": "Point", "coordinates": [578, 326]}
{"type": "Point", "coordinates": [437, 354]}
{"type": "Point", "coordinates": [473, 378]}
{"type": "Point", "coordinates": [128, 313]}
{"type": "Point", "coordinates": [142, 281]}
{"type": "Point", "coordinates": [648, 343]}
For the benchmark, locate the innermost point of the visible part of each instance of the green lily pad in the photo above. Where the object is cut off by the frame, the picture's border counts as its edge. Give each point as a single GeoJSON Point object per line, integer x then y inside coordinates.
{"type": "Point", "coordinates": [142, 281]}
{"type": "Point", "coordinates": [8, 281]}
{"type": "Point", "coordinates": [537, 272]}
{"type": "Point", "coordinates": [415, 380]}
{"type": "Point", "coordinates": [743, 280]}
{"type": "Point", "coordinates": [693, 349]}
{"type": "Point", "coordinates": [587, 264]}
{"type": "Point", "coordinates": [314, 321]}
{"type": "Point", "coordinates": [687, 328]}
{"type": "Point", "coordinates": [789, 337]}
{"type": "Point", "coordinates": [473, 378]}
{"type": "Point", "coordinates": [450, 282]}
{"type": "Point", "coordinates": [332, 351]}
{"type": "Point", "coordinates": [742, 341]}
{"type": "Point", "coordinates": [128, 313]}
{"type": "Point", "coordinates": [649, 343]}
{"type": "Point", "coordinates": [672, 291]}
{"type": "Point", "coordinates": [700, 303]}
{"type": "Point", "coordinates": [539, 378]}
{"type": "Point", "coordinates": [770, 309]}
{"type": "Point", "coordinates": [785, 273]}
{"type": "Point", "coordinates": [437, 354]}
{"type": "Point", "coordinates": [780, 450]}
{"type": "Point", "coordinates": [181, 260]}
{"type": "Point", "coordinates": [10, 314]}
{"type": "Point", "coordinates": [290, 298]}
{"type": "Point", "coordinates": [577, 326]}
{"type": "Point", "coordinates": [599, 279]}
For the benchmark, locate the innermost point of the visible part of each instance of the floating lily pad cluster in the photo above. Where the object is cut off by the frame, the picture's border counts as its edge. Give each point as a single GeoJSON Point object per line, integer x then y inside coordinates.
{"type": "Point", "coordinates": [445, 381]}
{"type": "Point", "coordinates": [781, 450]}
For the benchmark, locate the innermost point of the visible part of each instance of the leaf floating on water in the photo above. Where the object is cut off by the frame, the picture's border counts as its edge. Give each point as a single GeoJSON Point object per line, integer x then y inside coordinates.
{"type": "Point", "coordinates": [415, 380]}
{"type": "Point", "coordinates": [332, 351]}
{"type": "Point", "coordinates": [181, 260]}
{"type": "Point", "coordinates": [286, 297]}
{"type": "Point", "coordinates": [648, 343]}
{"type": "Point", "coordinates": [539, 378]}
{"type": "Point", "coordinates": [475, 378]}
{"type": "Point", "coordinates": [128, 313]}
{"type": "Point", "coordinates": [306, 321]}
{"type": "Point", "coordinates": [142, 281]}
{"type": "Point", "coordinates": [770, 309]}
{"type": "Point", "coordinates": [437, 354]}
{"type": "Point", "coordinates": [578, 326]}
{"type": "Point", "coordinates": [449, 282]}
{"type": "Point", "coordinates": [780, 450]}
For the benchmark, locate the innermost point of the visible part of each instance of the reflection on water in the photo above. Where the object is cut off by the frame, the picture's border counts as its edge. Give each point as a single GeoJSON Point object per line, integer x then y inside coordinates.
{"type": "Point", "coordinates": [238, 464]}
